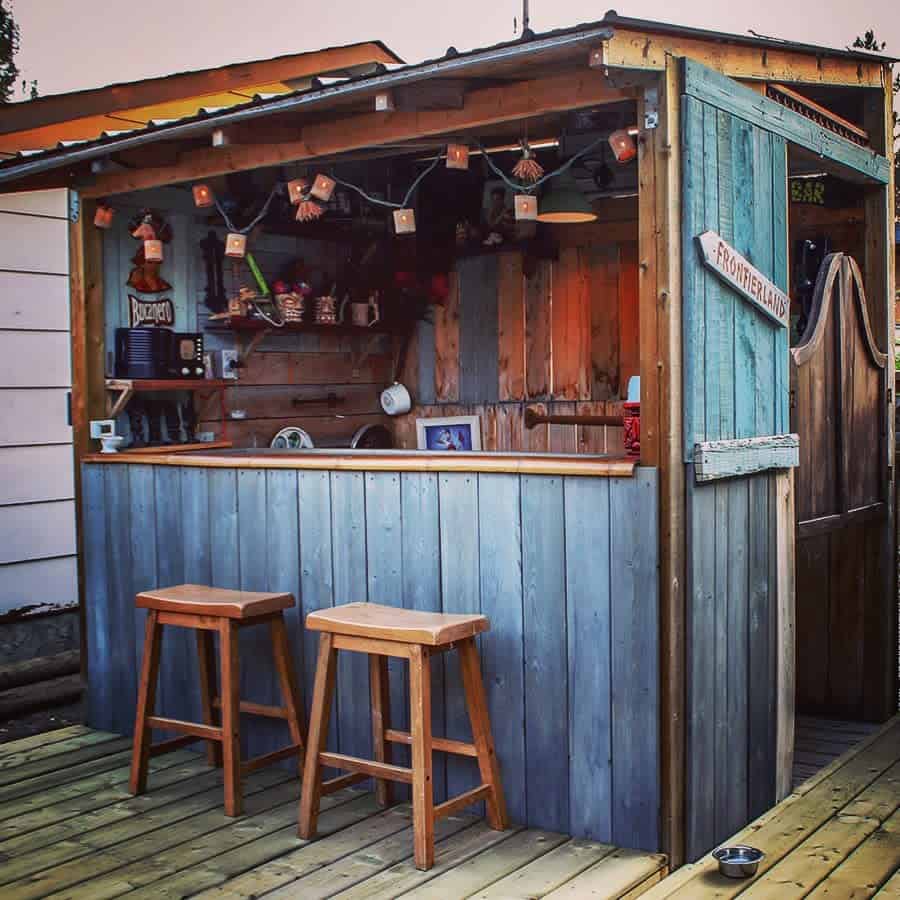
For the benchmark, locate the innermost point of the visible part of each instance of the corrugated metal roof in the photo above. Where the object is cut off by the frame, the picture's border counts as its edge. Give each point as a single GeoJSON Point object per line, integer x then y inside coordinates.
{"type": "Point", "coordinates": [323, 89]}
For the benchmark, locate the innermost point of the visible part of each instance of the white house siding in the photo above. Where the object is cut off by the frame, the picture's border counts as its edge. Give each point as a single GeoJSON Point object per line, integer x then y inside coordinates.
{"type": "Point", "coordinates": [37, 507]}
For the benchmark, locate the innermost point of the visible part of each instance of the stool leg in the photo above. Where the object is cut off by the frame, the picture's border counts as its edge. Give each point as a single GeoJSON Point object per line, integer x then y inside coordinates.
{"type": "Point", "coordinates": [231, 715]}
{"type": "Point", "coordinates": [420, 728]}
{"type": "Point", "coordinates": [289, 693]}
{"type": "Point", "coordinates": [323, 691]}
{"type": "Point", "coordinates": [381, 706]}
{"type": "Point", "coordinates": [481, 733]}
{"type": "Point", "coordinates": [206, 658]}
{"type": "Point", "coordinates": [140, 754]}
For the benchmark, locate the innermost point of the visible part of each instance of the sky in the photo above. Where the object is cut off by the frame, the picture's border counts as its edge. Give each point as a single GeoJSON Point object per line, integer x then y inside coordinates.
{"type": "Point", "coordinates": [68, 45]}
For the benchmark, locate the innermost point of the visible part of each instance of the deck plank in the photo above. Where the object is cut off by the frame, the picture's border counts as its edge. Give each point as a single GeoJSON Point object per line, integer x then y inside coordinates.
{"type": "Point", "coordinates": [814, 831]}
{"type": "Point", "coordinates": [92, 785]}
{"type": "Point", "coordinates": [616, 875]}
{"type": "Point", "coordinates": [216, 867]}
{"type": "Point", "coordinates": [52, 814]}
{"type": "Point", "coordinates": [359, 863]}
{"type": "Point", "coordinates": [404, 877]}
{"type": "Point", "coordinates": [43, 739]}
{"type": "Point", "coordinates": [873, 862]}
{"type": "Point", "coordinates": [66, 775]}
{"type": "Point", "coordinates": [147, 828]}
{"type": "Point", "coordinates": [549, 872]}
{"type": "Point", "coordinates": [483, 870]}
{"type": "Point", "coordinates": [19, 766]}
{"type": "Point", "coordinates": [74, 831]}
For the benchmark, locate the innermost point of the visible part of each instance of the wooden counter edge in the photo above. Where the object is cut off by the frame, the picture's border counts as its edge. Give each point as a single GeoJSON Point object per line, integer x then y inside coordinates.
{"type": "Point", "coordinates": [365, 462]}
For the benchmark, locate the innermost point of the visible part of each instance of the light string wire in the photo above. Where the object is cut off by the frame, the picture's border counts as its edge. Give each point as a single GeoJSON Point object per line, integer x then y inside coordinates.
{"type": "Point", "coordinates": [521, 187]}
{"type": "Point", "coordinates": [518, 186]}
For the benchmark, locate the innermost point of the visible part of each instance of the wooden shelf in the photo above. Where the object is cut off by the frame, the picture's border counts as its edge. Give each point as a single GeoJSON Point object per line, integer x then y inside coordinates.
{"type": "Point", "coordinates": [178, 448]}
{"type": "Point", "coordinates": [235, 324]}
{"type": "Point", "coordinates": [127, 387]}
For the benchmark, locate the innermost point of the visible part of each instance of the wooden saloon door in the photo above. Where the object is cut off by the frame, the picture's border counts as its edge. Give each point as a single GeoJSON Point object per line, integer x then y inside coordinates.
{"type": "Point", "coordinates": [734, 183]}
{"type": "Point", "coordinates": [845, 638]}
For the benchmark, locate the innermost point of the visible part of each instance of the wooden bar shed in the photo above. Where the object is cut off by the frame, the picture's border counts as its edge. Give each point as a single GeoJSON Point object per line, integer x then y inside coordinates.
{"type": "Point", "coordinates": [656, 595]}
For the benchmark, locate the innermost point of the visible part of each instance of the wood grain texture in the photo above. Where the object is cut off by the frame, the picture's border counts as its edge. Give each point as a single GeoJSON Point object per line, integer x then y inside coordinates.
{"type": "Point", "coordinates": [538, 331]}
{"type": "Point", "coordinates": [511, 327]}
{"type": "Point", "coordinates": [479, 324]}
{"type": "Point", "coordinates": [571, 327]}
{"type": "Point", "coordinates": [560, 569]}
{"type": "Point", "coordinates": [446, 344]}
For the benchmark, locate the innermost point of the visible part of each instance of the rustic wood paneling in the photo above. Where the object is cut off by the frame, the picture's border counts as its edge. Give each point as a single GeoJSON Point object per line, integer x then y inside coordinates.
{"type": "Point", "coordinates": [538, 346]}
{"type": "Point", "coordinates": [446, 344]}
{"type": "Point", "coordinates": [565, 568]}
{"type": "Point", "coordinates": [731, 612]}
{"type": "Point", "coordinates": [571, 326]}
{"type": "Point", "coordinates": [734, 183]}
{"type": "Point", "coordinates": [511, 332]}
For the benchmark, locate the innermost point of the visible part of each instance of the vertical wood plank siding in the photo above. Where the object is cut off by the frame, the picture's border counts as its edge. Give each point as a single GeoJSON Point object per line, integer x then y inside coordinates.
{"type": "Point", "coordinates": [566, 569]}
{"type": "Point", "coordinates": [734, 182]}
{"type": "Point", "coordinates": [735, 361]}
{"type": "Point", "coordinates": [730, 657]}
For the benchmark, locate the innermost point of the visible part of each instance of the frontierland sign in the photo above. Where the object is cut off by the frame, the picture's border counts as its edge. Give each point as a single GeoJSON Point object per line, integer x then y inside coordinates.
{"type": "Point", "coordinates": [748, 281]}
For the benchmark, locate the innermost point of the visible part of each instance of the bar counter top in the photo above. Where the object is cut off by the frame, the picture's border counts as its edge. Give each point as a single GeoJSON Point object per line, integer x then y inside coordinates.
{"type": "Point", "coordinates": [379, 461]}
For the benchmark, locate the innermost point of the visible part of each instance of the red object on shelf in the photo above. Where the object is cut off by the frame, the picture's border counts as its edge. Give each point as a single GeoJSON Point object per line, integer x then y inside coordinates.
{"type": "Point", "coordinates": [632, 423]}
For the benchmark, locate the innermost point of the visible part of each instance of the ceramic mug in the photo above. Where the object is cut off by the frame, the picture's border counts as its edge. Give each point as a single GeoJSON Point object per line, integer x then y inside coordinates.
{"type": "Point", "coordinates": [396, 400]}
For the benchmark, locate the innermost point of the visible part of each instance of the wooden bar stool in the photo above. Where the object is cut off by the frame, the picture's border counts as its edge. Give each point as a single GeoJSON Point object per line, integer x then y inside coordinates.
{"type": "Point", "coordinates": [383, 631]}
{"type": "Point", "coordinates": [210, 610]}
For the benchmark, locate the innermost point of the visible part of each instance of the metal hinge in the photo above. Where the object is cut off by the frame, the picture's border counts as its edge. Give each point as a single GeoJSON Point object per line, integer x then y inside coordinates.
{"type": "Point", "coordinates": [74, 206]}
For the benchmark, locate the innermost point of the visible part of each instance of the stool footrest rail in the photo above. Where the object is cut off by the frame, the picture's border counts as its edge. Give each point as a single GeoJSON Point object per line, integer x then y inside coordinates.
{"type": "Point", "coordinates": [445, 745]}
{"type": "Point", "coordinates": [366, 766]}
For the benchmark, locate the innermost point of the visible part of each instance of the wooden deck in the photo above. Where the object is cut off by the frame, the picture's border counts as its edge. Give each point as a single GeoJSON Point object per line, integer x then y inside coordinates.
{"type": "Point", "coordinates": [69, 828]}
{"type": "Point", "coordinates": [836, 836]}
{"type": "Point", "coordinates": [819, 742]}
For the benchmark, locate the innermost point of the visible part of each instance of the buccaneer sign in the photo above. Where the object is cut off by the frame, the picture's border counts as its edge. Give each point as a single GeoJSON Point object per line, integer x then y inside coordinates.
{"type": "Point", "coordinates": [747, 280]}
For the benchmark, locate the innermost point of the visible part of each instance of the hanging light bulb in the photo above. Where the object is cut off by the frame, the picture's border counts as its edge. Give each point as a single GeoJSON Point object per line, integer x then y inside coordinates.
{"type": "Point", "coordinates": [103, 217]}
{"type": "Point", "coordinates": [323, 188]}
{"type": "Point", "coordinates": [203, 196]}
{"type": "Point", "coordinates": [404, 221]}
{"type": "Point", "coordinates": [457, 156]}
{"type": "Point", "coordinates": [526, 207]}
{"type": "Point", "coordinates": [623, 145]}
{"type": "Point", "coordinates": [236, 245]}
{"type": "Point", "coordinates": [297, 190]}
{"type": "Point", "coordinates": [565, 202]}
{"type": "Point", "coordinates": [153, 251]}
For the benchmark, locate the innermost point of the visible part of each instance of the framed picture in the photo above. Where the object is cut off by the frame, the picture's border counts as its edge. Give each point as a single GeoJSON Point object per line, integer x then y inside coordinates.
{"type": "Point", "coordinates": [451, 433]}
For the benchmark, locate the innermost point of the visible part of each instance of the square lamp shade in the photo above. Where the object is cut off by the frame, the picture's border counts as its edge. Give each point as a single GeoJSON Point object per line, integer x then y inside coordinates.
{"type": "Point", "coordinates": [457, 156]}
{"type": "Point", "coordinates": [236, 245]}
{"type": "Point", "coordinates": [103, 217]}
{"type": "Point", "coordinates": [323, 188]}
{"type": "Point", "coordinates": [623, 145]}
{"type": "Point", "coordinates": [526, 207]}
{"type": "Point", "coordinates": [153, 251]}
{"type": "Point", "coordinates": [203, 196]}
{"type": "Point", "coordinates": [404, 221]}
{"type": "Point", "coordinates": [297, 190]}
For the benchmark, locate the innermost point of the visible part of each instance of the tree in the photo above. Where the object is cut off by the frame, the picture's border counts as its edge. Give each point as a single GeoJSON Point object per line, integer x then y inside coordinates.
{"type": "Point", "coordinates": [9, 46]}
{"type": "Point", "coordinates": [870, 42]}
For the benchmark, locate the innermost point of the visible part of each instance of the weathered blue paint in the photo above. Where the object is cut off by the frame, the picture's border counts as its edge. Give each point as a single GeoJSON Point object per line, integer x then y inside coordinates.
{"type": "Point", "coordinates": [566, 568]}
{"type": "Point", "coordinates": [479, 324]}
{"type": "Point", "coordinates": [721, 92]}
{"type": "Point", "coordinates": [735, 359]}
{"type": "Point", "coordinates": [734, 182]}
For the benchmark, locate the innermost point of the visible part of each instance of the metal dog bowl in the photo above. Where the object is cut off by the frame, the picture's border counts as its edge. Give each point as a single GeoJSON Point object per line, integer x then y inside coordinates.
{"type": "Point", "coordinates": [739, 861]}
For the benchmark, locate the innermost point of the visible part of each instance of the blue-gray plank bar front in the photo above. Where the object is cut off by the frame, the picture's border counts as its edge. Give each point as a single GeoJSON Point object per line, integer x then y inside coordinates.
{"type": "Point", "coordinates": [566, 569]}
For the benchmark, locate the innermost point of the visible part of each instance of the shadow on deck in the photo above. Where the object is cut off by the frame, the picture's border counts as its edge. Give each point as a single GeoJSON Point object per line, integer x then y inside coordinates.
{"type": "Point", "coordinates": [68, 827]}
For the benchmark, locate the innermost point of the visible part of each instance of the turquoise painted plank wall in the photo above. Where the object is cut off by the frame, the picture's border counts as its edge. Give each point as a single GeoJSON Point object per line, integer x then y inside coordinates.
{"type": "Point", "coordinates": [566, 568]}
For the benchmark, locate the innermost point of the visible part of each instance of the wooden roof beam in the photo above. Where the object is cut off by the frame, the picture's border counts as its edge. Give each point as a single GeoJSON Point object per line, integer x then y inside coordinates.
{"type": "Point", "coordinates": [484, 107]}
{"type": "Point", "coordinates": [634, 49]}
